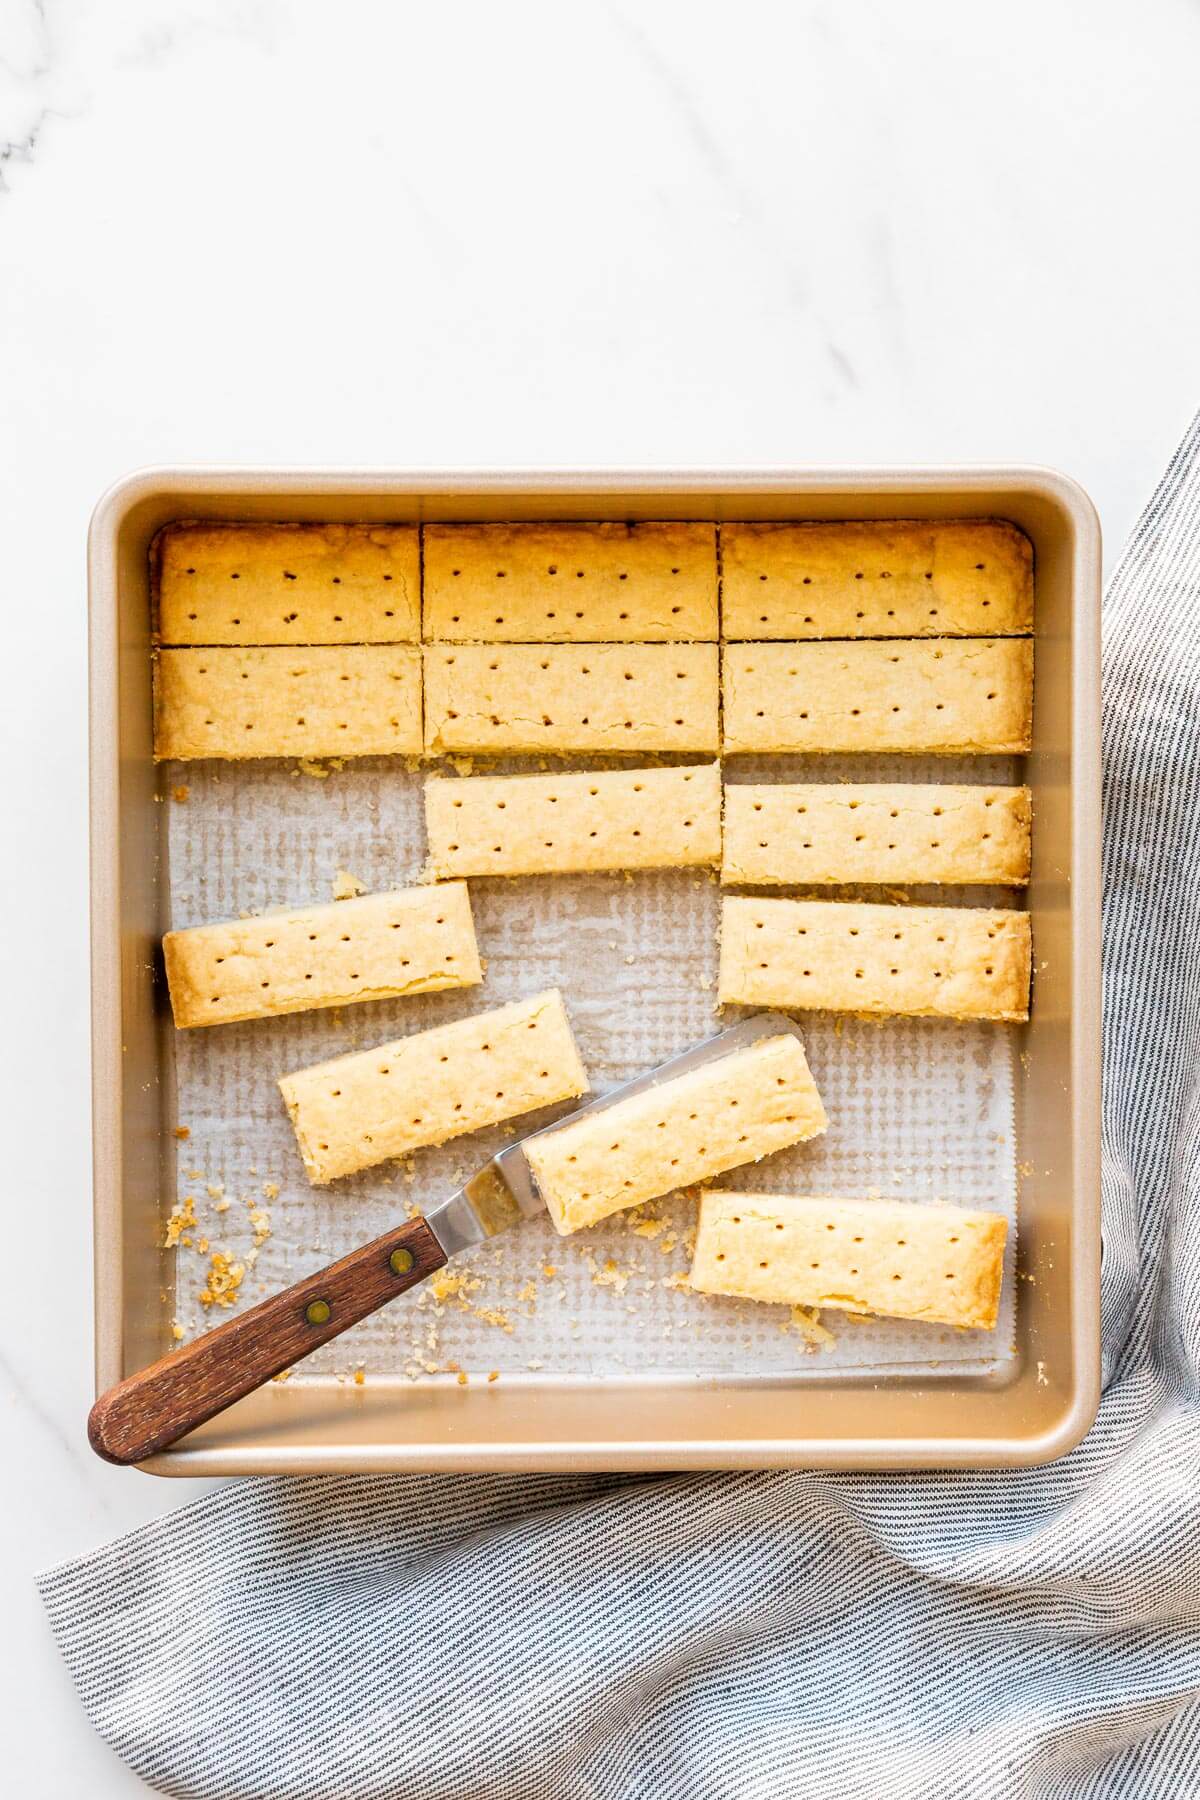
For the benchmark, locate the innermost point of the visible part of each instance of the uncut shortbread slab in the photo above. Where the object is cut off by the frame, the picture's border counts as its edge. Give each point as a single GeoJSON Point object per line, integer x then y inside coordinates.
{"type": "Point", "coordinates": [579, 584]}
{"type": "Point", "coordinates": [351, 700]}
{"type": "Point", "coordinates": [956, 962]}
{"type": "Point", "coordinates": [373, 948]}
{"type": "Point", "coordinates": [731, 1111]}
{"type": "Point", "coordinates": [359, 1110]}
{"type": "Point", "coordinates": [940, 1263]}
{"type": "Point", "coordinates": [892, 578]}
{"type": "Point", "coordinates": [557, 824]}
{"type": "Point", "coordinates": [965, 695]}
{"type": "Point", "coordinates": [531, 697]}
{"type": "Point", "coordinates": [288, 584]}
{"type": "Point", "coordinates": [832, 832]}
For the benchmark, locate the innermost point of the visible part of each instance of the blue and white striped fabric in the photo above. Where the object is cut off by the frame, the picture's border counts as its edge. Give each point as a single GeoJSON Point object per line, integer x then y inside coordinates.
{"type": "Point", "coordinates": [758, 1636]}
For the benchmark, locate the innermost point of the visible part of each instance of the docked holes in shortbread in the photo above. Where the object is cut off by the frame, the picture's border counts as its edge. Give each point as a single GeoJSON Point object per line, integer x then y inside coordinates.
{"type": "Point", "coordinates": [731, 1111]}
{"type": "Point", "coordinates": [891, 578]}
{"type": "Point", "coordinates": [287, 584]}
{"type": "Point", "coordinates": [363, 1109]}
{"type": "Point", "coordinates": [346, 700]}
{"type": "Point", "coordinates": [553, 824]}
{"type": "Point", "coordinates": [572, 583]}
{"type": "Point", "coordinates": [957, 695]}
{"type": "Point", "coordinates": [939, 961]}
{"type": "Point", "coordinates": [941, 1263]}
{"type": "Point", "coordinates": [536, 697]}
{"type": "Point", "coordinates": [833, 832]}
{"type": "Point", "coordinates": [378, 947]}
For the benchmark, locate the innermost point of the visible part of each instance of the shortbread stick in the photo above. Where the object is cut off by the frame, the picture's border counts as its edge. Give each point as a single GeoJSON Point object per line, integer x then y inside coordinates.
{"type": "Point", "coordinates": [374, 948]}
{"type": "Point", "coordinates": [829, 832]}
{"type": "Point", "coordinates": [363, 1109]}
{"type": "Point", "coordinates": [287, 584]}
{"type": "Point", "coordinates": [544, 583]}
{"type": "Point", "coordinates": [940, 1263]}
{"type": "Point", "coordinates": [554, 824]}
{"type": "Point", "coordinates": [495, 698]}
{"type": "Point", "coordinates": [734, 1110]}
{"type": "Point", "coordinates": [891, 578]}
{"type": "Point", "coordinates": [955, 962]}
{"type": "Point", "coordinates": [352, 700]}
{"type": "Point", "coordinates": [956, 695]}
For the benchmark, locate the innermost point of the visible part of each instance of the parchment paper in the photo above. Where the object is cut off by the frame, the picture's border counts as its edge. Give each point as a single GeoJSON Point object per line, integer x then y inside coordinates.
{"type": "Point", "coordinates": [919, 1109]}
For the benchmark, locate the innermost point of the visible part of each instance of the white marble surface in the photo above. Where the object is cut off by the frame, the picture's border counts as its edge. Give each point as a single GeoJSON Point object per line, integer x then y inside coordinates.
{"type": "Point", "coordinates": [640, 231]}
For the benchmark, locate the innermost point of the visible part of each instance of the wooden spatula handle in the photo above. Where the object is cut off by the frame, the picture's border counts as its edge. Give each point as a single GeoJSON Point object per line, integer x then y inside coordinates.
{"type": "Point", "coordinates": [149, 1410]}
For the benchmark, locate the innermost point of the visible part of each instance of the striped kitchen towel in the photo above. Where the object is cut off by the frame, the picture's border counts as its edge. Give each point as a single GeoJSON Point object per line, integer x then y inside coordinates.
{"type": "Point", "coordinates": [873, 1637]}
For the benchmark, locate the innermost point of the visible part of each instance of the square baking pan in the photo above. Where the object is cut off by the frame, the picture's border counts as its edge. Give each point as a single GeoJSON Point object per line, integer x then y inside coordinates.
{"type": "Point", "coordinates": [1029, 1410]}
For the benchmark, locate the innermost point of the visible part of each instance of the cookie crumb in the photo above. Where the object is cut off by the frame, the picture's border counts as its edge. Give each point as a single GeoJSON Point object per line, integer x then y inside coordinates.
{"type": "Point", "coordinates": [452, 1284]}
{"type": "Point", "coordinates": [183, 1217]}
{"type": "Point", "coordinates": [182, 1132]}
{"type": "Point", "coordinates": [347, 886]}
{"type": "Point", "coordinates": [610, 1275]}
{"type": "Point", "coordinates": [223, 1280]}
{"type": "Point", "coordinates": [491, 1315]}
{"type": "Point", "coordinates": [806, 1320]}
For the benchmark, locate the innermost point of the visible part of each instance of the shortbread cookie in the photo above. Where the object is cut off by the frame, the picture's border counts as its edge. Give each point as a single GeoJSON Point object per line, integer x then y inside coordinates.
{"type": "Point", "coordinates": [553, 824]}
{"type": "Point", "coordinates": [888, 578]}
{"type": "Point", "coordinates": [374, 948]}
{"type": "Point", "coordinates": [359, 1110]}
{"type": "Point", "coordinates": [734, 1110]}
{"type": "Point", "coordinates": [958, 695]}
{"type": "Point", "coordinates": [940, 1263]}
{"type": "Point", "coordinates": [827, 832]}
{"type": "Point", "coordinates": [571, 584]}
{"type": "Point", "coordinates": [352, 700]}
{"type": "Point", "coordinates": [288, 584]}
{"type": "Point", "coordinates": [530, 697]}
{"type": "Point", "coordinates": [955, 962]}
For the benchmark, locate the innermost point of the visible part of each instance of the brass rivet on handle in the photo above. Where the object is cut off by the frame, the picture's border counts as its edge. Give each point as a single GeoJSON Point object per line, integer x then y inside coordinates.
{"type": "Point", "coordinates": [400, 1261]}
{"type": "Point", "coordinates": [317, 1312]}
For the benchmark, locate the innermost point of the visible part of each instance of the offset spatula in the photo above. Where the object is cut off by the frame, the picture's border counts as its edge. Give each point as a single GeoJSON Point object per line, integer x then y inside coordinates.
{"type": "Point", "coordinates": [153, 1408]}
